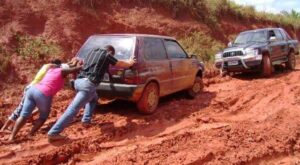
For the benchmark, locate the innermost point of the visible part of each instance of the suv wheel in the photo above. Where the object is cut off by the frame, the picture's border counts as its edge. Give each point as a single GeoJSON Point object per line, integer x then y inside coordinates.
{"type": "Point", "coordinates": [196, 88]}
{"type": "Point", "coordinates": [266, 66]}
{"type": "Point", "coordinates": [149, 99]}
{"type": "Point", "coordinates": [291, 63]}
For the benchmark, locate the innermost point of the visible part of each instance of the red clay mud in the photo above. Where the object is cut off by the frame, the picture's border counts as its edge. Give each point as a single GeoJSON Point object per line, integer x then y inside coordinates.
{"type": "Point", "coordinates": [245, 119]}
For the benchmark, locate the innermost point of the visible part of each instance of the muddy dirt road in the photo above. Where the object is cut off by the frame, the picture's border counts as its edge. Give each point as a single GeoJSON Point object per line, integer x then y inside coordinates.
{"type": "Point", "coordinates": [241, 120]}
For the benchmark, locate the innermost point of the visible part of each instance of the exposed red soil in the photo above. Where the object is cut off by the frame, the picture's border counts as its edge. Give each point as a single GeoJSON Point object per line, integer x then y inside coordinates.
{"type": "Point", "coordinates": [241, 120]}
{"type": "Point", "coordinates": [244, 119]}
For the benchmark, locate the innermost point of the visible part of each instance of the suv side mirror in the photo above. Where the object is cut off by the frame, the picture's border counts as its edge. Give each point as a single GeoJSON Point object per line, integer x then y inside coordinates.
{"type": "Point", "coordinates": [229, 44]}
{"type": "Point", "coordinates": [273, 39]}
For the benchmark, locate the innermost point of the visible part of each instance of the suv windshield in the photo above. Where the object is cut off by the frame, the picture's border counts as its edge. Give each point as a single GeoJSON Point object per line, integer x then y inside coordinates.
{"type": "Point", "coordinates": [251, 37]}
{"type": "Point", "coordinates": [123, 45]}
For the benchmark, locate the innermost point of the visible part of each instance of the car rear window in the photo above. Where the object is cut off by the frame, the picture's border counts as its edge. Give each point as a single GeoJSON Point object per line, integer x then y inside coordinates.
{"type": "Point", "coordinates": [124, 46]}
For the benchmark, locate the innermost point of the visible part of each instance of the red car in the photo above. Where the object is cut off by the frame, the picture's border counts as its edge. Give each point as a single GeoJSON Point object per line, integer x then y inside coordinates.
{"type": "Point", "coordinates": [162, 68]}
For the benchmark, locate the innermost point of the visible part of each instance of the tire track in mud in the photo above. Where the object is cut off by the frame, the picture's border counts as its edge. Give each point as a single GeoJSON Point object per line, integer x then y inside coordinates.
{"type": "Point", "coordinates": [242, 120]}
{"type": "Point", "coordinates": [108, 130]}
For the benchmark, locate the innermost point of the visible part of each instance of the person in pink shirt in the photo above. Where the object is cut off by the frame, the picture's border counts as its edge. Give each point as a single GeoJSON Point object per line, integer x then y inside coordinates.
{"type": "Point", "coordinates": [40, 95]}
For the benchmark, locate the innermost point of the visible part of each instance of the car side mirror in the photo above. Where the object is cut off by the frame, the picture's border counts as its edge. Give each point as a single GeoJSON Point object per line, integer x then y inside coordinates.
{"type": "Point", "coordinates": [273, 39]}
{"type": "Point", "coordinates": [193, 56]}
{"type": "Point", "coordinates": [229, 44]}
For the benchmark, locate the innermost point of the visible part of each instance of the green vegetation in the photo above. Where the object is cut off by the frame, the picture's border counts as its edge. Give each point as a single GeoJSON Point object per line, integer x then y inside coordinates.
{"type": "Point", "coordinates": [36, 47]}
{"type": "Point", "coordinates": [293, 14]}
{"type": "Point", "coordinates": [211, 11]}
{"type": "Point", "coordinates": [201, 45]}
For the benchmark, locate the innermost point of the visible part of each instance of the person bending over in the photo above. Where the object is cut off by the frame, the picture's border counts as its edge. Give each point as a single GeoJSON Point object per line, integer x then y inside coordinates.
{"type": "Point", "coordinates": [38, 77]}
{"type": "Point", "coordinates": [40, 95]}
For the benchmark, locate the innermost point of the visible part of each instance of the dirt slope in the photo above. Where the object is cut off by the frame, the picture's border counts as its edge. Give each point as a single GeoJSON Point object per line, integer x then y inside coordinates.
{"type": "Point", "coordinates": [240, 120]}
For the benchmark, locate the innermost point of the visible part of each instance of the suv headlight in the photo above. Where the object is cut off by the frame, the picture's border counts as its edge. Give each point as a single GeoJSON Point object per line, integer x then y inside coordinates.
{"type": "Point", "coordinates": [218, 56]}
{"type": "Point", "coordinates": [251, 51]}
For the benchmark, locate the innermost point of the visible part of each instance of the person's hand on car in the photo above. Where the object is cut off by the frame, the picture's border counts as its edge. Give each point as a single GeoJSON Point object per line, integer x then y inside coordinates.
{"type": "Point", "coordinates": [131, 61]}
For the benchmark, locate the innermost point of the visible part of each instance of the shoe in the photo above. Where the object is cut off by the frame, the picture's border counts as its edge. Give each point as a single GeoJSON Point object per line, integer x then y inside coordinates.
{"type": "Point", "coordinates": [58, 137]}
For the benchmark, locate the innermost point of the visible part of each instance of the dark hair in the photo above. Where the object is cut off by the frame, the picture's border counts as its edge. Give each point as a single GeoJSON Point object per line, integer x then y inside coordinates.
{"type": "Point", "coordinates": [56, 61]}
{"type": "Point", "coordinates": [110, 48]}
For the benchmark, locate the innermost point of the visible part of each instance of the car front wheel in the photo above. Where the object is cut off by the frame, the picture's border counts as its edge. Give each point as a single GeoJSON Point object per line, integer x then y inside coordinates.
{"type": "Point", "coordinates": [149, 99]}
{"type": "Point", "coordinates": [266, 66]}
{"type": "Point", "coordinates": [196, 88]}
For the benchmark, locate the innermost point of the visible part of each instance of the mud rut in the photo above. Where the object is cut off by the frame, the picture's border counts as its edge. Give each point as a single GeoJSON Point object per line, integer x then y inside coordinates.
{"type": "Point", "coordinates": [241, 120]}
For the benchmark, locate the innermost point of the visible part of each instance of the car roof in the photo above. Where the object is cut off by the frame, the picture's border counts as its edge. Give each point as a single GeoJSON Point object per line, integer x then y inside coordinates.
{"type": "Point", "coordinates": [137, 35]}
{"type": "Point", "coordinates": [264, 29]}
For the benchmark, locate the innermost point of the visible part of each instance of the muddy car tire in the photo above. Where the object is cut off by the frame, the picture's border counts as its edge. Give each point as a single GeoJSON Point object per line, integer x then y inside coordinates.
{"type": "Point", "coordinates": [291, 63]}
{"type": "Point", "coordinates": [196, 88]}
{"type": "Point", "coordinates": [266, 66]}
{"type": "Point", "coordinates": [149, 99]}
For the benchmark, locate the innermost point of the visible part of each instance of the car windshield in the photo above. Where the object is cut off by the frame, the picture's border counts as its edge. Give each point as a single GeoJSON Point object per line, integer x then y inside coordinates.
{"type": "Point", "coordinates": [251, 37]}
{"type": "Point", "coordinates": [123, 45]}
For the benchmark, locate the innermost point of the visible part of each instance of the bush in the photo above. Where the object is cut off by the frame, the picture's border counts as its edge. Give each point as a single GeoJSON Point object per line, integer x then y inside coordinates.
{"type": "Point", "coordinates": [201, 45]}
{"type": "Point", "coordinates": [36, 47]}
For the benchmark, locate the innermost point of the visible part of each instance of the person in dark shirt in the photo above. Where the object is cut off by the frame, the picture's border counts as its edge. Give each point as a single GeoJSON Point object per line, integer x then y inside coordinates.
{"type": "Point", "coordinates": [95, 64]}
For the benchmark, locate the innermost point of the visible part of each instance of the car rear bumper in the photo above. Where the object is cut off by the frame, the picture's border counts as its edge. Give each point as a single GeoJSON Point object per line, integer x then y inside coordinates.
{"type": "Point", "coordinates": [244, 63]}
{"type": "Point", "coordinates": [120, 91]}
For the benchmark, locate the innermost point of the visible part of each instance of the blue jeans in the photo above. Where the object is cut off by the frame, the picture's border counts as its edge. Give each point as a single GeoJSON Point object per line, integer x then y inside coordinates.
{"type": "Point", "coordinates": [16, 113]}
{"type": "Point", "coordinates": [86, 97]}
{"type": "Point", "coordinates": [35, 98]}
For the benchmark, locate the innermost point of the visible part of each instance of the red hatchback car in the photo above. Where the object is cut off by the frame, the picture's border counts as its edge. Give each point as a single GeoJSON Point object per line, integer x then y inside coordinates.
{"type": "Point", "coordinates": [162, 68]}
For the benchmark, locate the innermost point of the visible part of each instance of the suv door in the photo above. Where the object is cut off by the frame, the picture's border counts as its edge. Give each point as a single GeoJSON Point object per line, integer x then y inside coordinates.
{"type": "Point", "coordinates": [274, 46]}
{"type": "Point", "coordinates": [285, 51]}
{"type": "Point", "coordinates": [281, 44]}
{"type": "Point", "coordinates": [156, 64]}
{"type": "Point", "coordinates": [182, 71]}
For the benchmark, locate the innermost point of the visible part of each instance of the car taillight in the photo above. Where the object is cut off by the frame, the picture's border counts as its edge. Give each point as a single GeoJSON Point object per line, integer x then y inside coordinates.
{"type": "Point", "coordinates": [131, 76]}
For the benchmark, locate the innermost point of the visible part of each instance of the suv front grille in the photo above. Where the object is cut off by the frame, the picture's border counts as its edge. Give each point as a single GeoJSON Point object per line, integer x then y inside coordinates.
{"type": "Point", "coordinates": [232, 54]}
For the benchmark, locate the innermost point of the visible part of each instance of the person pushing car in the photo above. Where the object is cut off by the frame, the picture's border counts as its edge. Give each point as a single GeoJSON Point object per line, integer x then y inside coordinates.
{"type": "Point", "coordinates": [95, 64]}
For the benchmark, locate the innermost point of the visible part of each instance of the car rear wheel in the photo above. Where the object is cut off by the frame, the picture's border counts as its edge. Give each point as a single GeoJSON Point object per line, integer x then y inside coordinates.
{"type": "Point", "coordinates": [266, 66]}
{"type": "Point", "coordinates": [196, 88]}
{"type": "Point", "coordinates": [291, 63]}
{"type": "Point", "coordinates": [149, 99]}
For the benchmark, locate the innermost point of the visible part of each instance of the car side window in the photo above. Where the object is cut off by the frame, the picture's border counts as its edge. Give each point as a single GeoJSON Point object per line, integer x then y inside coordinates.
{"type": "Point", "coordinates": [174, 50]}
{"type": "Point", "coordinates": [154, 49]}
{"type": "Point", "coordinates": [271, 34]}
{"type": "Point", "coordinates": [285, 35]}
{"type": "Point", "coordinates": [278, 35]}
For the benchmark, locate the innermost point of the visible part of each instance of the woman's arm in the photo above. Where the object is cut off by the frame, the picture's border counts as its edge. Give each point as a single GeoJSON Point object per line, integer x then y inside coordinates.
{"type": "Point", "coordinates": [71, 70]}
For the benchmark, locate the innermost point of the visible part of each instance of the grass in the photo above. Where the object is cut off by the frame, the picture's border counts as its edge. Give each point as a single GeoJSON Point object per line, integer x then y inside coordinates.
{"type": "Point", "coordinates": [211, 11]}
{"type": "Point", "coordinates": [201, 45]}
{"type": "Point", "coordinates": [36, 47]}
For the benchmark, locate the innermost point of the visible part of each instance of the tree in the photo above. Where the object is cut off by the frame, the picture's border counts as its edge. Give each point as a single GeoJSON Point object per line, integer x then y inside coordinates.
{"type": "Point", "coordinates": [293, 14]}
